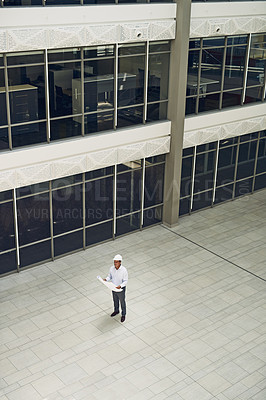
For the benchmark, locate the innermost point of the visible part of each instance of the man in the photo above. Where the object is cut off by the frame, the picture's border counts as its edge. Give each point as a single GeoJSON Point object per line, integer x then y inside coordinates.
{"type": "Point", "coordinates": [119, 276]}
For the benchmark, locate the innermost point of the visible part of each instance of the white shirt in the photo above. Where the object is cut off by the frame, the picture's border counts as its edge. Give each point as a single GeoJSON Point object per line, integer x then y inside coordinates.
{"type": "Point", "coordinates": [119, 276]}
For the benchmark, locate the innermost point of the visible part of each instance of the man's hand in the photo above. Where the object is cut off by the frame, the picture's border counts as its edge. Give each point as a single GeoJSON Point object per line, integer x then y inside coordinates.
{"type": "Point", "coordinates": [118, 287]}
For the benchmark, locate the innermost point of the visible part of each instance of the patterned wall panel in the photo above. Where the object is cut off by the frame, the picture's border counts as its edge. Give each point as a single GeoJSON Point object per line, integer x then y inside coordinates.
{"type": "Point", "coordinates": [16, 39]}
{"type": "Point", "coordinates": [219, 132]}
{"type": "Point", "coordinates": [204, 27]}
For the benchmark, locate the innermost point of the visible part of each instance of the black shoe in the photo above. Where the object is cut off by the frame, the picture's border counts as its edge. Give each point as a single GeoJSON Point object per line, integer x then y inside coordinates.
{"type": "Point", "coordinates": [114, 313]}
{"type": "Point", "coordinates": [123, 318]}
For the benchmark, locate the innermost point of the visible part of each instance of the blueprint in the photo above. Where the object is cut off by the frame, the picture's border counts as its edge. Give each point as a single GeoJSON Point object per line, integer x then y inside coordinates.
{"type": "Point", "coordinates": [110, 285]}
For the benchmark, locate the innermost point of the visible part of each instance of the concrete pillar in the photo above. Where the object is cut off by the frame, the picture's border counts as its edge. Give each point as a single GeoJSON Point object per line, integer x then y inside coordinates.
{"type": "Point", "coordinates": [176, 112]}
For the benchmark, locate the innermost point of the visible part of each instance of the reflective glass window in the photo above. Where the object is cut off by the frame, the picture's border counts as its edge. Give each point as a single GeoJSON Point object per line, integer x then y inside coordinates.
{"type": "Point", "coordinates": [253, 94]}
{"type": "Point", "coordinates": [31, 189]}
{"type": "Point", "coordinates": [213, 42]}
{"type": "Point", "coordinates": [68, 243]}
{"type": "Point", "coordinates": [186, 175]}
{"type": "Point", "coordinates": [191, 105]}
{"type": "Point", "coordinates": [152, 216]}
{"type": "Point", "coordinates": [7, 195]}
{"type": "Point", "coordinates": [238, 39]}
{"type": "Point", "coordinates": [129, 116]}
{"type": "Point", "coordinates": [7, 233]}
{"type": "Point", "coordinates": [13, 3]}
{"type": "Point", "coordinates": [211, 70]}
{"type": "Point", "coordinates": [131, 71]}
{"type": "Point", "coordinates": [184, 206]}
{"type": "Point", "coordinates": [234, 67]}
{"type": "Point", "coordinates": [33, 57]}
{"type": "Point", "coordinates": [128, 192]}
{"type": "Point", "coordinates": [61, 2]}
{"type": "Point", "coordinates": [66, 181]}
{"type": "Point", "coordinates": [260, 182]}
{"type": "Point", "coordinates": [157, 47]}
{"type": "Point", "coordinates": [202, 200]}
{"type": "Point", "coordinates": [4, 139]}
{"type": "Point", "coordinates": [243, 187]}
{"type": "Point", "coordinates": [256, 65]}
{"type": "Point", "coordinates": [228, 141]}
{"type": "Point", "coordinates": [99, 233]}
{"type": "Point", "coordinates": [246, 160]}
{"type": "Point", "coordinates": [3, 115]}
{"type": "Point", "coordinates": [35, 253]}
{"type": "Point", "coordinates": [204, 171]}
{"type": "Point", "coordinates": [261, 162]}
{"type": "Point", "coordinates": [249, 136]}
{"type": "Point", "coordinates": [202, 148]}
{"type": "Point", "coordinates": [226, 165]}
{"type": "Point", "coordinates": [8, 262]}
{"type": "Point", "coordinates": [65, 127]}
{"type": "Point", "coordinates": [1, 60]}
{"type": "Point", "coordinates": [188, 152]}
{"type": "Point", "coordinates": [223, 193]}
{"type": "Point", "coordinates": [194, 43]}
{"type": "Point", "coordinates": [64, 55]}
{"type": "Point", "coordinates": [156, 111]}
{"type": "Point", "coordinates": [25, 135]}
{"type": "Point", "coordinates": [127, 224]}
{"type": "Point", "coordinates": [158, 76]}
{"type": "Point", "coordinates": [232, 98]}
{"type": "Point", "coordinates": [154, 159]}
{"type": "Point", "coordinates": [97, 122]}
{"type": "Point", "coordinates": [99, 200]}
{"type": "Point", "coordinates": [210, 102]}
{"type": "Point", "coordinates": [98, 173]}
{"type": "Point", "coordinates": [99, 51]}
{"type": "Point", "coordinates": [33, 218]}
{"type": "Point", "coordinates": [131, 49]}
{"type": "Point", "coordinates": [192, 75]}
{"type": "Point", "coordinates": [154, 184]}
{"type": "Point", "coordinates": [129, 166]}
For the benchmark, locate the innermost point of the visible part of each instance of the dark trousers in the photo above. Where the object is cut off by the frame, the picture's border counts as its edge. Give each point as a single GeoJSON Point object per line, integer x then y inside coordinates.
{"type": "Point", "coordinates": [120, 296]}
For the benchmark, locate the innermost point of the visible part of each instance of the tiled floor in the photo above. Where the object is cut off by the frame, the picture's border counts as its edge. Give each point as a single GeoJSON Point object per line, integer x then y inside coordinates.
{"type": "Point", "coordinates": [196, 323]}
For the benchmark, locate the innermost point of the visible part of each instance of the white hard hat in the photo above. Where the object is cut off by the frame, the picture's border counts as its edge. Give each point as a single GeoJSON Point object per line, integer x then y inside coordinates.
{"type": "Point", "coordinates": [118, 257]}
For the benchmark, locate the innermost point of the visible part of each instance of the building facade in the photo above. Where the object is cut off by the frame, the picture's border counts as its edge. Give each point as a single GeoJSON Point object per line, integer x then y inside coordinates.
{"type": "Point", "coordinates": [116, 117]}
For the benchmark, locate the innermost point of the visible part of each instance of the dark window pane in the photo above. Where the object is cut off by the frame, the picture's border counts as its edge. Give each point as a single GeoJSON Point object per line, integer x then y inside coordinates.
{"type": "Point", "coordinates": [67, 209]}
{"type": "Point", "coordinates": [261, 163]}
{"type": "Point", "coordinates": [213, 42]}
{"type": "Point", "coordinates": [7, 195]}
{"type": "Point", "coordinates": [64, 54]}
{"type": "Point", "coordinates": [157, 111]}
{"type": "Point", "coordinates": [129, 166]}
{"type": "Point", "coordinates": [2, 79]}
{"type": "Point", "coordinates": [193, 68]}
{"type": "Point", "coordinates": [204, 171]}
{"type": "Point", "coordinates": [191, 105]}
{"type": "Point", "coordinates": [154, 183]}
{"type": "Point", "coordinates": [128, 192]}
{"type": "Point", "coordinates": [33, 218]}
{"type": "Point", "coordinates": [226, 165]}
{"type": "Point", "coordinates": [27, 93]}
{"type": "Point", "coordinates": [243, 187]}
{"type": "Point", "coordinates": [99, 122]}
{"type": "Point", "coordinates": [156, 47]}
{"type": "Point", "coordinates": [4, 139]}
{"type": "Point", "coordinates": [8, 262]}
{"type": "Point", "coordinates": [184, 206]}
{"type": "Point", "coordinates": [99, 172]}
{"type": "Point", "coordinates": [188, 152]}
{"type": "Point", "coordinates": [126, 49]}
{"type": "Point", "coordinates": [131, 80]}
{"type": "Point", "coordinates": [1, 60]}
{"type": "Point", "coordinates": [129, 116]}
{"type": "Point", "coordinates": [33, 57]}
{"type": "Point", "coordinates": [260, 182]}
{"type": "Point", "coordinates": [194, 43]}
{"type": "Point", "coordinates": [231, 99]}
{"type": "Point", "coordinates": [152, 216]}
{"type": "Point", "coordinates": [154, 159]}
{"type": "Point", "coordinates": [64, 89]}
{"type": "Point", "coordinates": [158, 75]}
{"type": "Point", "coordinates": [246, 160]}
{"type": "Point", "coordinates": [13, 3]}
{"type": "Point", "coordinates": [34, 254]}
{"type": "Point", "coordinates": [210, 102]}
{"type": "Point", "coordinates": [98, 51]}
{"type": "Point", "coordinates": [202, 148]}
{"type": "Point", "coordinates": [202, 200]}
{"type": "Point", "coordinates": [66, 181]}
{"type": "Point", "coordinates": [7, 233]}
{"type": "Point", "coordinates": [68, 243]}
{"type": "Point", "coordinates": [99, 233]}
{"type": "Point", "coordinates": [211, 70]}
{"type": "Point", "coordinates": [24, 135]}
{"type": "Point", "coordinates": [256, 66]}
{"type": "Point", "coordinates": [98, 1]}
{"type": "Point", "coordinates": [228, 141]}
{"type": "Point", "coordinates": [127, 224]}
{"type": "Point", "coordinates": [239, 39]}
{"type": "Point", "coordinates": [3, 115]}
{"type": "Point", "coordinates": [234, 67]}
{"type": "Point", "coordinates": [99, 200]}
{"type": "Point", "coordinates": [223, 194]}
{"type": "Point", "coordinates": [31, 189]}
{"type": "Point", "coordinates": [254, 94]}
{"type": "Point", "coordinates": [187, 165]}
{"type": "Point", "coordinates": [249, 136]}
{"type": "Point", "coordinates": [66, 127]}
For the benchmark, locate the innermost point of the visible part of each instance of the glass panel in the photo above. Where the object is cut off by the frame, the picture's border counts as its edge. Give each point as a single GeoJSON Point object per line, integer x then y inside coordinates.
{"type": "Point", "coordinates": [3, 116]}
{"type": "Point", "coordinates": [33, 57]}
{"type": "Point", "coordinates": [210, 102]}
{"type": "Point", "coordinates": [194, 43]}
{"type": "Point", "coordinates": [99, 200]}
{"type": "Point", "coordinates": [243, 187]}
{"type": "Point", "coordinates": [8, 262]}
{"type": "Point", "coordinates": [202, 148]}
{"type": "Point", "coordinates": [99, 233]}
{"type": "Point", "coordinates": [154, 159]}
{"type": "Point", "coordinates": [253, 94]}
{"type": "Point", "coordinates": [184, 206]}
{"type": "Point", "coordinates": [61, 2]}
{"type": "Point", "coordinates": [260, 182]}
{"type": "Point", "coordinates": [152, 216]}
{"type": "Point", "coordinates": [256, 66]}
{"type": "Point", "coordinates": [68, 243]}
{"type": "Point", "coordinates": [2, 80]}
{"type": "Point", "coordinates": [98, 51]}
{"type": "Point", "coordinates": [231, 99]}
{"type": "Point", "coordinates": [211, 70]}
{"type": "Point", "coordinates": [223, 194]}
{"type": "Point", "coordinates": [66, 181]}
{"type": "Point", "coordinates": [157, 111]}
{"type": "Point", "coordinates": [64, 54]}
{"type": "Point", "coordinates": [202, 200]}
{"type": "Point", "coordinates": [246, 160]}
{"type": "Point", "coordinates": [7, 233]}
{"type": "Point", "coordinates": [99, 172]}
{"type": "Point", "coordinates": [128, 192]}
{"type": "Point", "coordinates": [261, 163]}
{"type": "Point", "coordinates": [129, 166]}
{"type": "Point", "coordinates": [131, 80]}
{"type": "Point", "coordinates": [156, 47]}
{"type": "Point", "coordinates": [13, 3]}
{"type": "Point", "coordinates": [188, 152]}
{"type": "Point", "coordinates": [226, 165]}
{"type": "Point", "coordinates": [99, 122]}
{"type": "Point", "coordinates": [67, 209]}
{"type": "Point", "coordinates": [27, 93]}
{"type": "Point", "coordinates": [191, 105]}
{"type": "Point", "coordinates": [154, 183]}
{"type": "Point", "coordinates": [4, 139]}
{"type": "Point", "coordinates": [131, 49]}
{"type": "Point", "coordinates": [229, 141]}
{"type": "Point", "coordinates": [187, 165]}
{"type": "Point", "coordinates": [34, 254]}
{"type": "Point", "coordinates": [127, 224]}
{"type": "Point", "coordinates": [129, 116]}
{"type": "Point", "coordinates": [64, 88]}
{"type": "Point", "coordinates": [24, 135]}
{"type": "Point", "coordinates": [234, 40]}
{"type": "Point", "coordinates": [213, 42]}
{"type": "Point", "coordinates": [249, 136]}
{"type": "Point", "coordinates": [234, 67]}
{"type": "Point", "coordinates": [158, 77]}
{"type": "Point", "coordinates": [1, 60]}
{"type": "Point", "coordinates": [98, 85]}
{"type": "Point", "coordinates": [204, 171]}
{"type": "Point", "coordinates": [31, 189]}
{"type": "Point", "coordinates": [66, 127]}
{"type": "Point", "coordinates": [33, 218]}
{"type": "Point", "coordinates": [7, 195]}
{"type": "Point", "coordinates": [193, 68]}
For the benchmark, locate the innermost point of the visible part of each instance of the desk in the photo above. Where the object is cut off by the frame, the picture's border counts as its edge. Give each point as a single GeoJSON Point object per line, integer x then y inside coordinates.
{"type": "Point", "coordinates": [192, 84]}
